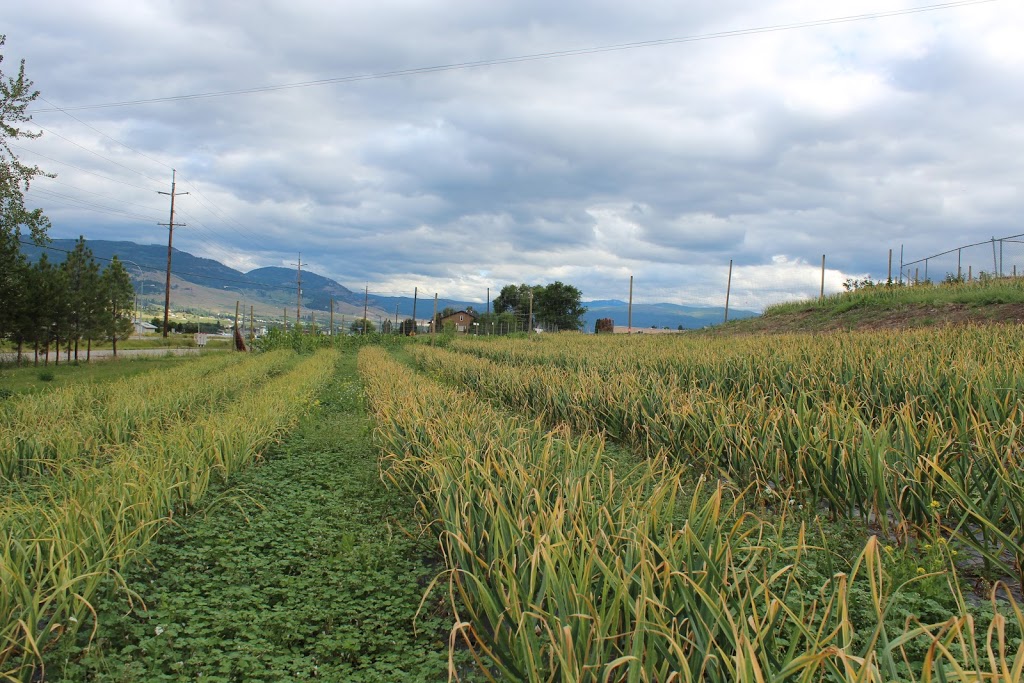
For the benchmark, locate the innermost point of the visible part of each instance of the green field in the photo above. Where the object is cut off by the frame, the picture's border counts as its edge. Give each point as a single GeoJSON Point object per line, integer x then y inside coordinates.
{"type": "Point", "coordinates": [843, 507]}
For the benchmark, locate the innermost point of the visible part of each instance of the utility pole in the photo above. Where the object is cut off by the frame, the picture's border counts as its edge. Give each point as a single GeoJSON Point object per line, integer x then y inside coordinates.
{"type": "Point", "coordinates": [488, 301]}
{"type": "Point", "coordinates": [821, 293]}
{"type": "Point", "coordinates": [433, 322]}
{"type": "Point", "coordinates": [415, 291]}
{"type": "Point", "coordinates": [252, 326]}
{"type": "Point", "coordinates": [728, 291]}
{"type": "Point", "coordinates": [298, 304]}
{"type": "Point", "coordinates": [170, 238]}
{"type": "Point", "coordinates": [629, 314]}
{"type": "Point", "coordinates": [530, 321]}
{"type": "Point", "coordinates": [332, 316]}
{"type": "Point", "coordinates": [366, 300]}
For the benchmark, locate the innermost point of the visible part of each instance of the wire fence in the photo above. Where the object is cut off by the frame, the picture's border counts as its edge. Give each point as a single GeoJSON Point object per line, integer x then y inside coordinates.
{"type": "Point", "coordinates": [996, 257]}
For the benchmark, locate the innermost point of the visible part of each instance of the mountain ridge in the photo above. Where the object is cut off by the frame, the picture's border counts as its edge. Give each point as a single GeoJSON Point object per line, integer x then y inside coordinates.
{"type": "Point", "coordinates": [275, 288]}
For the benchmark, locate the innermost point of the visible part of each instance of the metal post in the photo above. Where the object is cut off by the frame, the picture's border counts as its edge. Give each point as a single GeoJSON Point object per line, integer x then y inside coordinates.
{"type": "Point", "coordinates": [888, 280]}
{"type": "Point", "coordinates": [234, 337]}
{"type": "Point", "coordinates": [285, 318]}
{"type": "Point", "coordinates": [969, 274]}
{"type": "Point", "coordinates": [901, 264]}
{"type": "Point", "coordinates": [728, 291]}
{"type": "Point", "coordinates": [926, 270]}
{"type": "Point", "coordinates": [995, 268]}
{"type": "Point", "coordinates": [332, 317]}
{"type": "Point", "coordinates": [1000, 258]}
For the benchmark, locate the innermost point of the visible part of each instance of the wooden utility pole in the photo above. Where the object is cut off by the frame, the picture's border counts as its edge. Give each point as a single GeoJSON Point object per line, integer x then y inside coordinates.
{"type": "Point", "coordinates": [629, 311]}
{"type": "Point", "coordinates": [415, 291]}
{"type": "Point", "coordinates": [821, 292]}
{"type": "Point", "coordinates": [234, 337]}
{"type": "Point", "coordinates": [488, 301]}
{"type": "Point", "coordinates": [728, 291]}
{"type": "Point", "coordinates": [366, 301]}
{"type": "Point", "coordinates": [298, 302]}
{"type": "Point", "coordinates": [170, 239]}
{"type": "Point", "coordinates": [252, 326]}
{"type": "Point", "coordinates": [889, 279]}
{"type": "Point", "coordinates": [285, 318]}
{"type": "Point", "coordinates": [529, 321]}
{"type": "Point", "coordinates": [332, 316]}
{"type": "Point", "coordinates": [433, 322]}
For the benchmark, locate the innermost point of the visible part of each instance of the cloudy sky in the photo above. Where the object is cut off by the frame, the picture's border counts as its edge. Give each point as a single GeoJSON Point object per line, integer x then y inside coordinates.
{"type": "Point", "coordinates": [766, 147]}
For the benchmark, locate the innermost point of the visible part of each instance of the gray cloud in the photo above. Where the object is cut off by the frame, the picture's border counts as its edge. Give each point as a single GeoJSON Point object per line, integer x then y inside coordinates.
{"type": "Point", "coordinates": [665, 162]}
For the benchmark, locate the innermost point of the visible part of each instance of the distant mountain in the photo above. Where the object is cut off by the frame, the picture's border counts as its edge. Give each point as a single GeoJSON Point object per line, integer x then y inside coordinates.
{"type": "Point", "coordinates": [659, 315]}
{"type": "Point", "coordinates": [206, 284]}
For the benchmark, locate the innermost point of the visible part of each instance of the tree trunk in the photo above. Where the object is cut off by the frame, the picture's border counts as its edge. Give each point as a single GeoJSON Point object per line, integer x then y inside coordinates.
{"type": "Point", "coordinates": [114, 342]}
{"type": "Point", "coordinates": [36, 361]}
{"type": "Point", "coordinates": [56, 357]}
{"type": "Point", "coordinates": [76, 349]}
{"type": "Point", "coordinates": [20, 344]}
{"type": "Point", "coordinates": [88, 351]}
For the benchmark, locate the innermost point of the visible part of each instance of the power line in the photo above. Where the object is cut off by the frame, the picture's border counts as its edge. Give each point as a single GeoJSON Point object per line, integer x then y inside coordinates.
{"type": "Point", "coordinates": [558, 54]}
{"type": "Point", "coordinates": [100, 194]}
{"type": "Point", "coordinates": [78, 168]}
{"type": "Point", "coordinates": [127, 168]}
{"type": "Point", "coordinates": [91, 205]}
{"type": "Point", "coordinates": [125, 145]}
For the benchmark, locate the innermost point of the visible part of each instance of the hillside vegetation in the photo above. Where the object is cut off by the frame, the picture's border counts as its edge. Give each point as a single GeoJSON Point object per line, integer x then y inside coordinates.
{"type": "Point", "coordinates": [895, 306]}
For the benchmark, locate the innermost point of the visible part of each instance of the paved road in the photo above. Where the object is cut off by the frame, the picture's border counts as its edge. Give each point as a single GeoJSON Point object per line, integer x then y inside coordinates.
{"type": "Point", "coordinates": [100, 354]}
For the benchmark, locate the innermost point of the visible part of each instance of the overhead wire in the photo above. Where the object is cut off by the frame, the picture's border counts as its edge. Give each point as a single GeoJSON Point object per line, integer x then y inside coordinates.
{"type": "Point", "coordinates": [95, 153]}
{"type": "Point", "coordinates": [538, 56]}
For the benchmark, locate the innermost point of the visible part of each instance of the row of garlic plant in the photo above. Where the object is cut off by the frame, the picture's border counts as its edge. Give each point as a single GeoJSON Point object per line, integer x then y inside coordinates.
{"type": "Point", "coordinates": [793, 416]}
{"type": "Point", "coordinates": [560, 570]}
{"type": "Point", "coordinates": [59, 549]}
{"type": "Point", "coordinates": [53, 431]}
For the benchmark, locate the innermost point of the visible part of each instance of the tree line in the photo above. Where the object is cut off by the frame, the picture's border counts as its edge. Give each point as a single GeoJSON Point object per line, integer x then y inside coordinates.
{"type": "Point", "coordinates": [46, 305]}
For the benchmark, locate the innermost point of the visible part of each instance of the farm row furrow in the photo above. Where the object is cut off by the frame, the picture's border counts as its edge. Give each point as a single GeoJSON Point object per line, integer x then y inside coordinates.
{"type": "Point", "coordinates": [568, 572]}
{"type": "Point", "coordinates": [58, 552]}
{"type": "Point", "coordinates": [944, 470]}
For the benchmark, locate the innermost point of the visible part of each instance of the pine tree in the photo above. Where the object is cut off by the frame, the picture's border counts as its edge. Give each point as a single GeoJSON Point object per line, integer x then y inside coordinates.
{"type": "Point", "coordinates": [118, 297]}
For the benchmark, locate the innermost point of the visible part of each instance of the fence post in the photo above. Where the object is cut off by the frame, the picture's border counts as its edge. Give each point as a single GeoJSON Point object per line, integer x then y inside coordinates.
{"type": "Point", "coordinates": [1000, 258]}
{"type": "Point", "coordinates": [926, 270]}
{"type": "Point", "coordinates": [995, 268]}
{"type": "Point", "coordinates": [888, 280]}
{"type": "Point", "coordinates": [969, 275]}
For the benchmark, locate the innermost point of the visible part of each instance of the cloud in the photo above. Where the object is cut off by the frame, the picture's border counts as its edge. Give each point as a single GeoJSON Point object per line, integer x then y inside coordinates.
{"type": "Point", "coordinates": [665, 162]}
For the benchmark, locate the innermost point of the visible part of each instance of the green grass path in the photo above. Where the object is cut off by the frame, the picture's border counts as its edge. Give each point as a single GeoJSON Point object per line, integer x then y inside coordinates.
{"type": "Point", "coordinates": [299, 571]}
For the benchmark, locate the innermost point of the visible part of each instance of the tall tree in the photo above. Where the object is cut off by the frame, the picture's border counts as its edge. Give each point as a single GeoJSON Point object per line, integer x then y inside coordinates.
{"type": "Point", "coordinates": [558, 305]}
{"type": "Point", "coordinates": [83, 280]}
{"type": "Point", "coordinates": [16, 94]}
{"type": "Point", "coordinates": [117, 298]}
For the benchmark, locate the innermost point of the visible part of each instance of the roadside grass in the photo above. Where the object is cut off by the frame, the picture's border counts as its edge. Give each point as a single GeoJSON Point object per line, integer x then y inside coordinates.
{"type": "Point", "coordinates": [975, 293]}
{"type": "Point", "coordinates": [881, 306]}
{"type": "Point", "coordinates": [302, 569]}
{"type": "Point", "coordinates": [27, 379]}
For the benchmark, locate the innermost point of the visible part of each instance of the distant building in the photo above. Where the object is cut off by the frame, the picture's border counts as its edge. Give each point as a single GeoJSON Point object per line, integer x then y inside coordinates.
{"type": "Point", "coordinates": [142, 328]}
{"type": "Point", "coordinates": [463, 321]}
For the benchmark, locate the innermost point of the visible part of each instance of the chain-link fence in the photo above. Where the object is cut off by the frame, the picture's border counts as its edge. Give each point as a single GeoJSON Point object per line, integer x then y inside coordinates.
{"type": "Point", "coordinates": [996, 257]}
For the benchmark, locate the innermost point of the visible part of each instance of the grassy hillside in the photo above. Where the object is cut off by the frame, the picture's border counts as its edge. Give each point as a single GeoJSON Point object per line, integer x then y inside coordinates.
{"type": "Point", "coordinates": [895, 307]}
